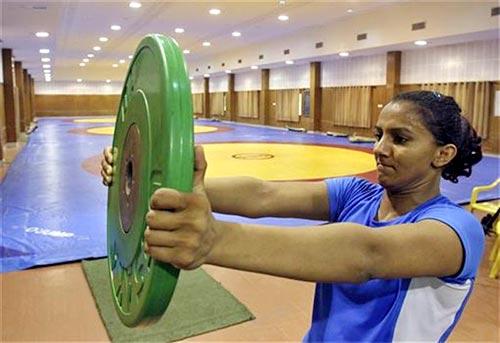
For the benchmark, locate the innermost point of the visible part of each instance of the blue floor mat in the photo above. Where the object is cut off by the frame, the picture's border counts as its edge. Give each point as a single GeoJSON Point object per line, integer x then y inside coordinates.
{"type": "Point", "coordinates": [54, 210]}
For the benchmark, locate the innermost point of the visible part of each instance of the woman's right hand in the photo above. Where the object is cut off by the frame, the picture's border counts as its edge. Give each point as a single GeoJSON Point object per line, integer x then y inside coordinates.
{"type": "Point", "coordinates": [107, 166]}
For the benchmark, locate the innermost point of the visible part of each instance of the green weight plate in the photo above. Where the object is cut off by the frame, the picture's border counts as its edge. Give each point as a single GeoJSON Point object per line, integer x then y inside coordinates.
{"type": "Point", "coordinates": [153, 142]}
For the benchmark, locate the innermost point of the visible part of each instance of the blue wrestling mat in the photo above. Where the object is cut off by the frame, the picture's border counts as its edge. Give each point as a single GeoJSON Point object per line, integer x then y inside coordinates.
{"type": "Point", "coordinates": [54, 205]}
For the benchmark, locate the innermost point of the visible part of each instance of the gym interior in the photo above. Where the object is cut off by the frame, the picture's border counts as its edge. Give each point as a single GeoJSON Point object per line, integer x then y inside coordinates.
{"type": "Point", "coordinates": [279, 90]}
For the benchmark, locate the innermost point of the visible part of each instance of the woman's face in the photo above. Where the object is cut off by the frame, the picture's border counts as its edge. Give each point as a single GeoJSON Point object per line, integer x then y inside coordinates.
{"type": "Point", "coordinates": [405, 148]}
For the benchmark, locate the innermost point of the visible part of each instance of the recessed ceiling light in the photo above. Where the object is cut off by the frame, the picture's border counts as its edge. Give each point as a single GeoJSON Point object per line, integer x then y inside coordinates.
{"type": "Point", "coordinates": [135, 4]}
{"type": "Point", "coordinates": [228, 71]}
{"type": "Point", "coordinates": [186, 51]}
{"type": "Point", "coordinates": [206, 75]}
{"type": "Point", "coordinates": [82, 64]}
{"type": "Point", "coordinates": [114, 65]}
{"type": "Point", "coordinates": [214, 11]}
{"type": "Point", "coordinates": [283, 17]}
{"type": "Point", "coordinates": [108, 81]}
{"type": "Point", "coordinates": [79, 80]}
{"type": "Point", "coordinates": [45, 59]}
{"type": "Point", "coordinates": [115, 27]}
{"type": "Point", "coordinates": [42, 34]}
{"type": "Point", "coordinates": [103, 39]}
{"type": "Point", "coordinates": [343, 54]}
{"type": "Point", "coordinates": [191, 77]}
{"type": "Point", "coordinates": [282, 2]}
{"type": "Point", "coordinates": [236, 34]}
{"type": "Point", "coordinates": [254, 67]}
{"type": "Point", "coordinates": [90, 55]}
{"type": "Point", "coordinates": [349, 10]}
{"type": "Point", "coordinates": [46, 71]}
{"type": "Point", "coordinates": [130, 56]}
{"type": "Point", "coordinates": [48, 79]}
{"type": "Point", "coordinates": [179, 30]}
{"type": "Point", "coordinates": [44, 51]}
{"type": "Point", "coordinates": [420, 42]}
{"type": "Point", "coordinates": [289, 62]}
{"type": "Point", "coordinates": [96, 48]}
{"type": "Point", "coordinates": [206, 44]}
{"type": "Point", "coordinates": [86, 60]}
{"type": "Point", "coordinates": [46, 66]}
{"type": "Point", "coordinates": [122, 61]}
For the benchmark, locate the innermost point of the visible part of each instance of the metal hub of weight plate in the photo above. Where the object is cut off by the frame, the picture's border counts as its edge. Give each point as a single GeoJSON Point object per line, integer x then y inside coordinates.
{"type": "Point", "coordinates": [153, 144]}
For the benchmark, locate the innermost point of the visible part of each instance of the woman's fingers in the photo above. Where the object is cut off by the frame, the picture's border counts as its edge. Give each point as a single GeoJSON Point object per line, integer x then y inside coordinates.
{"type": "Point", "coordinates": [168, 199]}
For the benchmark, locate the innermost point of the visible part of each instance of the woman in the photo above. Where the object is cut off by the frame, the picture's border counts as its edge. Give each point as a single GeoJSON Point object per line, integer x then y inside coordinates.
{"type": "Point", "coordinates": [396, 262]}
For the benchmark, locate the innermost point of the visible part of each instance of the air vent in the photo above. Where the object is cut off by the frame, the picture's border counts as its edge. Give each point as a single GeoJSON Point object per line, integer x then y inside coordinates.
{"type": "Point", "coordinates": [286, 52]}
{"type": "Point", "coordinates": [209, 67]}
{"type": "Point", "coordinates": [495, 11]}
{"type": "Point", "coordinates": [239, 61]}
{"type": "Point", "coordinates": [261, 57]}
{"type": "Point", "coordinates": [362, 36]}
{"type": "Point", "coordinates": [319, 45]}
{"type": "Point", "coordinates": [223, 64]}
{"type": "Point", "coordinates": [197, 69]}
{"type": "Point", "coordinates": [418, 26]}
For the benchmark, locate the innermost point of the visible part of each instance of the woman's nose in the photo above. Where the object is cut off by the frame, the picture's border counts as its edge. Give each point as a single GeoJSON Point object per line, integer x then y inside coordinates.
{"type": "Point", "coordinates": [381, 147]}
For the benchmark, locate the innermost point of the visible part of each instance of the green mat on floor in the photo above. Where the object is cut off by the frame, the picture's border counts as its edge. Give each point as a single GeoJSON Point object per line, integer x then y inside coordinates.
{"type": "Point", "coordinates": [200, 304]}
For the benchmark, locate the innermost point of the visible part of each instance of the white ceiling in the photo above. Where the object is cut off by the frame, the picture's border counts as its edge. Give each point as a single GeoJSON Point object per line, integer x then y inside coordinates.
{"type": "Point", "coordinates": [75, 27]}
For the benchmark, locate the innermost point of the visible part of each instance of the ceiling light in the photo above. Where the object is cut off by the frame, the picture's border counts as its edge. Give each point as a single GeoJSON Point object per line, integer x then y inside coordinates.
{"type": "Point", "coordinates": [45, 59]}
{"type": "Point", "coordinates": [48, 79]}
{"type": "Point", "coordinates": [214, 11]}
{"type": "Point", "coordinates": [103, 39]}
{"type": "Point", "coordinates": [206, 44]}
{"type": "Point", "coordinates": [42, 34]}
{"type": "Point", "coordinates": [114, 65]}
{"type": "Point", "coordinates": [96, 48]}
{"type": "Point", "coordinates": [420, 42]}
{"type": "Point", "coordinates": [254, 67]}
{"type": "Point", "coordinates": [108, 81]}
{"type": "Point", "coordinates": [122, 61]}
{"type": "Point", "coordinates": [349, 10]}
{"type": "Point", "coordinates": [46, 71]}
{"type": "Point", "coordinates": [86, 60]}
{"type": "Point", "coordinates": [82, 64]}
{"type": "Point", "coordinates": [130, 56]}
{"type": "Point", "coordinates": [79, 80]}
{"type": "Point", "coordinates": [236, 34]}
{"type": "Point", "coordinates": [289, 62]}
{"type": "Point", "coordinates": [135, 4]}
{"type": "Point", "coordinates": [228, 71]}
{"type": "Point", "coordinates": [186, 51]}
{"type": "Point", "coordinates": [116, 27]}
{"type": "Point", "coordinates": [44, 51]}
{"type": "Point", "coordinates": [179, 30]}
{"type": "Point", "coordinates": [90, 55]}
{"type": "Point", "coordinates": [46, 66]}
{"type": "Point", "coordinates": [283, 17]}
{"type": "Point", "coordinates": [343, 54]}
{"type": "Point", "coordinates": [282, 2]}
{"type": "Point", "coordinates": [206, 75]}
{"type": "Point", "coordinates": [191, 77]}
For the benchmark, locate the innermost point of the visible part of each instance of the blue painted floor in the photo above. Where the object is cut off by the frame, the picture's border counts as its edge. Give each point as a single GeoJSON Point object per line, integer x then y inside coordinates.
{"type": "Point", "coordinates": [54, 206]}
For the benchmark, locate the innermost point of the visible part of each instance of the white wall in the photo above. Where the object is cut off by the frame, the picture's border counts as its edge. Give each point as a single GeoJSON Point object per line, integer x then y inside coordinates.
{"type": "Point", "coordinates": [473, 61]}
{"type": "Point", "coordinates": [197, 86]}
{"type": "Point", "coordinates": [84, 88]}
{"type": "Point", "coordinates": [218, 83]}
{"type": "Point", "coordinates": [290, 77]}
{"type": "Point", "coordinates": [248, 81]}
{"type": "Point", "coordinates": [354, 71]}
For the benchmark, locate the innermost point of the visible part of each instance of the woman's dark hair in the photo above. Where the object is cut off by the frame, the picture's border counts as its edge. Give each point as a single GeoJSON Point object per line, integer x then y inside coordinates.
{"type": "Point", "coordinates": [442, 117]}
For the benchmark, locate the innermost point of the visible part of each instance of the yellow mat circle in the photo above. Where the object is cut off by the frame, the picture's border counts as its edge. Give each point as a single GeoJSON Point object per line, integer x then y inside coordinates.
{"type": "Point", "coordinates": [96, 120]}
{"type": "Point", "coordinates": [108, 130]}
{"type": "Point", "coordinates": [281, 161]}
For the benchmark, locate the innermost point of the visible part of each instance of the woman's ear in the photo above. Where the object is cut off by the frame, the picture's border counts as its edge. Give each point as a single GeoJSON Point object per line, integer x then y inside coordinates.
{"type": "Point", "coordinates": [444, 154]}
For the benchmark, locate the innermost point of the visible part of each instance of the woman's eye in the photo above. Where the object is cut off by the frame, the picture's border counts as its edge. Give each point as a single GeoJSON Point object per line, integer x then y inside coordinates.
{"type": "Point", "coordinates": [400, 140]}
{"type": "Point", "coordinates": [377, 135]}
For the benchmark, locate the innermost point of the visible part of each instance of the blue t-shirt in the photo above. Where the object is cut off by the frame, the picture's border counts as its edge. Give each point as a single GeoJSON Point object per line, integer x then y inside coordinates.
{"type": "Point", "coordinates": [416, 309]}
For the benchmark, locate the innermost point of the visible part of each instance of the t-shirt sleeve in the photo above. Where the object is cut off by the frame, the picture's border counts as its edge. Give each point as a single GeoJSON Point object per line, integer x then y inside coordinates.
{"type": "Point", "coordinates": [470, 233]}
{"type": "Point", "coordinates": [342, 191]}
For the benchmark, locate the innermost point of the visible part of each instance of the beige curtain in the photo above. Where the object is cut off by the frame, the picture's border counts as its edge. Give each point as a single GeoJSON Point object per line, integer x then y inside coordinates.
{"type": "Point", "coordinates": [287, 105]}
{"type": "Point", "coordinates": [198, 103]}
{"type": "Point", "coordinates": [217, 103]}
{"type": "Point", "coordinates": [350, 106]}
{"type": "Point", "coordinates": [247, 104]}
{"type": "Point", "coordinates": [472, 97]}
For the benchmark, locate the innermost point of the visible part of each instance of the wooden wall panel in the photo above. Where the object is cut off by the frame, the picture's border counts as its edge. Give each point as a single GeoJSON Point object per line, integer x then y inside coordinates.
{"type": "Point", "coordinates": [21, 96]}
{"type": "Point", "coordinates": [9, 85]}
{"type": "Point", "coordinates": [3, 129]}
{"type": "Point", "coordinates": [27, 101]}
{"type": "Point", "coordinates": [76, 105]}
{"type": "Point", "coordinates": [492, 143]}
